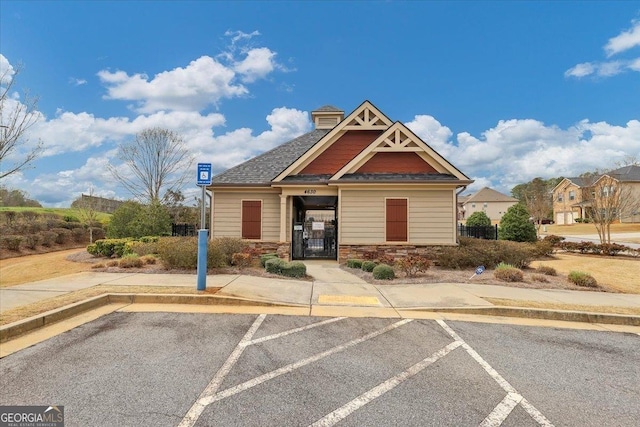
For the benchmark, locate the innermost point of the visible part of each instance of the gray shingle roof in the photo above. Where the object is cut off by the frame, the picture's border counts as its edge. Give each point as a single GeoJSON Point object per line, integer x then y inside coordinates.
{"type": "Point", "coordinates": [626, 173]}
{"type": "Point", "coordinates": [490, 195]}
{"type": "Point", "coordinates": [580, 182]}
{"type": "Point", "coordinates": [328, 108]}
{"type": "Point", "coordinates": [265, 167]}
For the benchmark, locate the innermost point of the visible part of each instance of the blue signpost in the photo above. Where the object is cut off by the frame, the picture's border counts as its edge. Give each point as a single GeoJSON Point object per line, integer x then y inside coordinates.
{"type": "Point", "coordinates": [204, 179]}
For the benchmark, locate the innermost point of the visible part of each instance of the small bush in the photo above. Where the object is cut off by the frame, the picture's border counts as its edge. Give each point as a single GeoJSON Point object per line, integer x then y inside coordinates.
{"type": "Point", "coordinates": [178, 253]}
{"type": "Point", "coordinates": [113, 263]}
{"type": "Point", "coordinates": [383, 272]}
{"type": "Point", "coordinates": [293, 269]}
{"type": "Point", "coordinates": [553, 239]}
{"type": "Point", "coordinates": [11, 243]}
{"type": "Point", "coordinates": [354, 263]}
{"type": "Point", "coordinates": [63, 235]}
{"type": "Point", "coordinates": [546, 270]}
{"type": "Point", "coordinates": [111, 247]}
{"type": "Point", "coordinates": [264, 258]}
{"type": "Point", "coordinates": [98, 265]}
{"type": "Point", "coordinates": [508, 273]}
{"type": "Point", "coordinates": [411, 265]}
{"type": "Point", "coordinates": [582, 279]}
{"type": "Point", "coordinates": [274, 265]}
{"type": "Point", "coordinates": [368, 266]}
{"type": "Point", "coordinates": [386, 259]}
{"type": "Point", "coordinates": [474, 252]}
{"type": "Point", "coordinates": [141, 248]}
{"type": "Point", "coordinates": [31, 241]}
{"type": "Point", "coordinates": [542, 249]}
{"type": "Point", "coordinates": [130, 261]}
{"type": "Point", "coordinates": [149, 259]}
{"type": "Point", "coordinates": [241, 260]}
{"type": "Point", "coordinates": [228, 246]}
{"type": "Point", "coordinates": [613, 249]}
{"type": "Point", "coordinates": [539, 278]}
{"type": "Point", "coordinates": [78, 235]}
{"type": "Point", "coordinates": [48, 238]}
{"type": "Point", "coordinates": [70, 218]}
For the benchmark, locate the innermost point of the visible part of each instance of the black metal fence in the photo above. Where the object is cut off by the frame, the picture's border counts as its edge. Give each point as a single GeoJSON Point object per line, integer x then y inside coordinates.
{"type": "Point", "coordinates": [183, 230]}
{"type": "Point", "coordinates": [479, 232]}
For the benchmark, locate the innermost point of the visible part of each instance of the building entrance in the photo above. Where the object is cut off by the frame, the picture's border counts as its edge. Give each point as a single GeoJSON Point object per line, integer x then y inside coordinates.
{"type": "Point", "coordinates": [315, 230]}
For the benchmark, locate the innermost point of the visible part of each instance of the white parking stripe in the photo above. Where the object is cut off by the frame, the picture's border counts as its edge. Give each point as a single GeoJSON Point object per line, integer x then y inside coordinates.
{"type": "Point", "coordinates": [293, 366]}
{"type": "Point", "coordinates": [531, 410]}
{"type": "Point", "coordinates": [293, 331]}
{"type": "Point", "coordinates": [196, 410]}
{"type": "Point", "coordinates": [344, 411]}
{"type": "Point", "coordinates": [502, 411]}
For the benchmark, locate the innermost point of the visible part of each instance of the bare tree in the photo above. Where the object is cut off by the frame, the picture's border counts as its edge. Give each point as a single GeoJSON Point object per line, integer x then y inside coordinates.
{"type": "Point", "coordinates": [537, 197]}
{"type": "Point", "coordinates": [87, 210]}
{"type": "Point", "coordinates": [156, 161]}
{"type": "Point", "coordinates": [609, 199]}
{"type": "Point", "coordinates": [16, 117]}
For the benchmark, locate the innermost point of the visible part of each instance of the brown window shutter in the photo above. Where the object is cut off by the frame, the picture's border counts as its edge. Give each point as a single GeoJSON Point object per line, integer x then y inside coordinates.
{"type": "Point", "coordinates": [251, 219]}
{"type": "Point", "coordinates": [396, 220]}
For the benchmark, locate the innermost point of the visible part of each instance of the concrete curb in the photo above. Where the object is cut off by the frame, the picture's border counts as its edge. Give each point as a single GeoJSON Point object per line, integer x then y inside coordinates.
{"type": "Point", "coordinates": [539, 313]}
{"type": "Point", "coordinates": [12, 330]}
{"type": "Point", "coordinates": [47, 318]}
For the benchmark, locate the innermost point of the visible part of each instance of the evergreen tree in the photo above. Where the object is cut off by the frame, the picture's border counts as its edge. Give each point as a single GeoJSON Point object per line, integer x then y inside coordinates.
{"type": "Point", "coordinates": [478, 219]}
{"type": "Point", "coordinates": [516, 225]}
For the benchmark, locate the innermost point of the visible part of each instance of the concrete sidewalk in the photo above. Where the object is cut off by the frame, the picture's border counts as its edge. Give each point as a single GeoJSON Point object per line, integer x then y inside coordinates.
{"type": "Point", "coordinates": [331, 287]}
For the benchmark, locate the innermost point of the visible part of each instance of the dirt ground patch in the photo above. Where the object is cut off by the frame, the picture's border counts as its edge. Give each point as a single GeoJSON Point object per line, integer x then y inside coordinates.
{"type": "Point", "coordinates": [615, 273]}
{"type": "Point", "coordinates": [31, 268]}
{"type": "Point", "coordinates": [23, 312]}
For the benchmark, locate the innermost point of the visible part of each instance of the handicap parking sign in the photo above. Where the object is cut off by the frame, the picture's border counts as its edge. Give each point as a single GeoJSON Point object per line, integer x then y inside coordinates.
{"type": "Point", "coordinates": [204, 173]}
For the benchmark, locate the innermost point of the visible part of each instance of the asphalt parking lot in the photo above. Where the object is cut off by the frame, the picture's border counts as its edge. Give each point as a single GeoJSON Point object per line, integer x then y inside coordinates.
{"type": "Point", "coordinates": [169, 369]}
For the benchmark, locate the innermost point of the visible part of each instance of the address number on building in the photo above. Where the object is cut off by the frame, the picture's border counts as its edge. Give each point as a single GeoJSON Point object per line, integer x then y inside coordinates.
{"type": "Point", "coordinates": [309, 191]}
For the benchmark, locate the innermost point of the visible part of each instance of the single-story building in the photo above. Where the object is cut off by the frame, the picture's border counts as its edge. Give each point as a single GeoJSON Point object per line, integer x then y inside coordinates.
{"type": "Point", "coordinates": [353, 186]}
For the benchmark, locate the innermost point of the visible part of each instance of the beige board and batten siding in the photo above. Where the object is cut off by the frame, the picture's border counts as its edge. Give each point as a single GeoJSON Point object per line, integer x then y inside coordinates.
{"type": "Point", "coordinates": [430, 215]}
{"type": "Point", "coordinates": [227, 214]}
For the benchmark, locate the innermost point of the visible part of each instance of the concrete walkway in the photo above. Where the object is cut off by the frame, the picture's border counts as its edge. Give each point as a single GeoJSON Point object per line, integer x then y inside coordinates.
{"type": "Point", "coordinates": [330, 288]}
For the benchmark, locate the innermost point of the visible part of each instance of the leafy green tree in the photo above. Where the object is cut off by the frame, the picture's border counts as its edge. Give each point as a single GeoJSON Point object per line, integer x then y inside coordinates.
{"type": "Point", "coordinates": [478, 219]}
{"type": "Point", "coordinates": [133, 219]}
{"type": "Point", "coordinates": [516, 226]}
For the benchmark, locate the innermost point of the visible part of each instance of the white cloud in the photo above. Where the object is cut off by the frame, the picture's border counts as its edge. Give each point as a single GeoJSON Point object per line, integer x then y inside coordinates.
{"type": "Point", "coordinates": [201, 83]}
{"type": "Point", "coordinates": [6, 71]}
{"type": "Point", "coordinates": [237, 36]}
{"type": "Point", "coordinates": [620, 43]}
{"type": "Point", "coordinates": [77, 82]}
{"type": "Point", "coordinates": [624, 41]}
{"type": "Point", "coordinates": [256, 65]}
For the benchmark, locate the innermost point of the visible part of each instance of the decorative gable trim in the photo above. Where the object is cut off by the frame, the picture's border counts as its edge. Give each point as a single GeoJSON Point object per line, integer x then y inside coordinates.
{"type": "Point", "coordinates": [399, 138]}
{"type": "Point", "coordinates": [365, 117]}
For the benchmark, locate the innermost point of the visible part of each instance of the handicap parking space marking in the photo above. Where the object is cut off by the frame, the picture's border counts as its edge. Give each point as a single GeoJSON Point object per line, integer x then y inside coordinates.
{"type": "Point", "coordinates": [513, 398]}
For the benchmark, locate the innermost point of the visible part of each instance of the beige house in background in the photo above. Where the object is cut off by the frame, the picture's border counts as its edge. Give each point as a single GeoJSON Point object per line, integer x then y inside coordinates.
{"type": "Point", "coordinates": [489, 201]}
{"type": "Point", "coordinates": [354, 185]}
{"type": "Point", "coordinates": [568, 202]}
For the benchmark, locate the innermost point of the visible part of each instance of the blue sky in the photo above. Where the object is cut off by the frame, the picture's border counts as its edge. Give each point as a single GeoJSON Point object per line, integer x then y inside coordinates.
{"type": "Point", "coordinates": [506, 91]}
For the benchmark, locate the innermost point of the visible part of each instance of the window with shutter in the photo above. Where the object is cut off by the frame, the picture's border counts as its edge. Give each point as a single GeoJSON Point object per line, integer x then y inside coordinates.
{"type": "Point", "coordinates": [396, 220]}
{"type": "Point", "coordinates": [252, 219]}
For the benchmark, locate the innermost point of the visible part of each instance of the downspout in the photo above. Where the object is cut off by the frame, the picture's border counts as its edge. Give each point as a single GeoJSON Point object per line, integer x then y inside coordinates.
{"type": "Point", "coordinates": [464, 187]}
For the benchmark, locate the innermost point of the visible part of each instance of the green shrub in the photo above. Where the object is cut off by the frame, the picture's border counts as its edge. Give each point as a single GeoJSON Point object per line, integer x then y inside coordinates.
{"type": "Point", "coordinates": [368, 266]}
{"type": "Point", "coordinates": [411, 265]}
{"type": "Point", "coordinates": [354, 263]}
{"type": "Point", "coordinates": [178, 253]}
{"type": "Point", "coordinates": [70, 218]}
{"type": "Point", "coordinates": [130, 261]}
{"type": "Point", "coordinates": [93, 249]}
{"type": "Point", "coordinates": [11, 242]}
{"type": "Point", "coordinates": [293, 269]}
{"type": "Point", "coordinates": [383, 272]}
{"type": "Point", "coordinates": [141, 248]}
{"type": "Point", "coordinates": [582, 279]}
{"type": "Point", "coordinates": [508, 273]}
{"type": "Point", "coordinates": [111, 247]}
{"type": "Point", "coordinates": [149, 239]}
{"type": "Point", "coordinates": [516, 226]}
{"type": "Point", "coordinates": [478, 219]}
{"type": "Point", "coordinates": [265, 257]}
{"type": "Point", "coordinates": [274, 265]}
{"type": "Point", "coordinates": [546, 270]}
{"type": "Point", "coordinates": [63, 235]}
{"type": "Point", "coordinates": [31, 241]}
{"type": "Point", "coordinates": [542, 249]}
{"type": "Point", "coordinates": [553, 239]}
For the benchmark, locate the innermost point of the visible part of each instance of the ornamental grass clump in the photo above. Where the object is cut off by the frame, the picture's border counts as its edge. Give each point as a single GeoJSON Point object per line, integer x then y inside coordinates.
{"type": "Point", "coordinates": [383, 272]}
{"type": "Point", "coordinates": [130, 261]}
{"type": "Point", "coordinates": [546, 270]}
{"type": "Point", "coordinates": [582, 279]}
{"type": "Point", "coordinates": [508, 273]}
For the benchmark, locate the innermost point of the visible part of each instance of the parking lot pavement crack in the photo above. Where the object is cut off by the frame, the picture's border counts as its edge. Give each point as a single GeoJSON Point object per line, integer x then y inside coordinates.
{"type": "Point", "coordinates": [527, 406]}
{"type": "Point", "coordinates": [296, 365]}
{"type": "Point", "coordinates": [198, 407]}
{"type": "Point", "coordinates": [377, 391]}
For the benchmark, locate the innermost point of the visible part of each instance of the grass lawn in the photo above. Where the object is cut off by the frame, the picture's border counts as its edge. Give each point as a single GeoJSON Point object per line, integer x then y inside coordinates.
{"type": "Point", "coordinates": [580, 229]}
{"type": "Point", "coordinates": [616, 273]}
